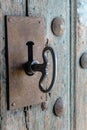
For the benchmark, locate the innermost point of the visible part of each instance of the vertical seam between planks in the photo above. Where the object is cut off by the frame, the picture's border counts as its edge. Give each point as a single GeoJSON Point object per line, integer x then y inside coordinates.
{"type": "Point", "coordinates": [75, 60]}
{"type": "Point", "coordinates": [73, 41]}
{"type": "Point", "coordinates": [70, 63]}
{"type": "Point", "coordinates": [26, 117]}
{"type": "Point", "coordinates": [26, 108]}
{"type": "Point", "coordinates": [26, 4]}
{"type": "Point", "coordinates": [75, 67]}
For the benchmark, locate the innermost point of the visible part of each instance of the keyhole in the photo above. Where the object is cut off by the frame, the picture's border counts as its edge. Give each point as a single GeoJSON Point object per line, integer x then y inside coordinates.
{"type": "Point", "coordinates": [27, 65]}
{"type": "Point", "coordinates": [30, 51]}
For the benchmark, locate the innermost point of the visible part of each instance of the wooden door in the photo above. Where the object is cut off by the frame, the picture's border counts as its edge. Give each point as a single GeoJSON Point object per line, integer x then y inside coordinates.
{"type": "Point", "coordinates": [34, 118]}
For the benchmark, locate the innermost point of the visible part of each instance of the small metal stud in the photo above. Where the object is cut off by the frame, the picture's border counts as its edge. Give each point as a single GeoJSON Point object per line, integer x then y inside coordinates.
{"type": "Point", "coordinates": [58, 107]}
{"type": "Point", "coordinates": [83, 60]}
{"type": "Point", "coordinates": [13, 104]}
{"type": "Point", "coordinates": [10, 20]}
{"type": "Point", "coordinates": [58, 26]}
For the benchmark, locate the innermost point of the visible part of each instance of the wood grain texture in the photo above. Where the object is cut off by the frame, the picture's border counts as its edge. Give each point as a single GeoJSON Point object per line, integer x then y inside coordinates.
{"type": "Point", "coordinates": [33, 118]}
{"type": "Point", "coordinates": [81, 74]}
{"type": "Point", "coordinates": [38, 119]}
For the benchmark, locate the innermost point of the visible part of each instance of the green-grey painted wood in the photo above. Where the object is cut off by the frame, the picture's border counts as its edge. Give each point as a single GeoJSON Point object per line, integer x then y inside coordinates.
{"type": "Point", "coordinates": [81, 74]}
{"type": "Point", "coordinates": [46, 120]}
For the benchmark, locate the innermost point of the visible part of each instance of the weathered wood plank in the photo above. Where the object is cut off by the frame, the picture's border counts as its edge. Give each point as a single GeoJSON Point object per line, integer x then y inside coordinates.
{"type": "Point", "coordinates": [14, 120]}
{"type": "Point", "coordinates": [81, 74]}
{"type": "Point", "coordinates": [34, 118]}
{"type": "Point", "coordinates": [38, 119]}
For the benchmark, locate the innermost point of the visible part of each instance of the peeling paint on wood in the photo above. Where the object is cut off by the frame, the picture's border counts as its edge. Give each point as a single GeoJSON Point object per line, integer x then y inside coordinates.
{"type": "Point", "coordinates": [81, 74]}
{"type": "Point", "coordinates": [82, 12]}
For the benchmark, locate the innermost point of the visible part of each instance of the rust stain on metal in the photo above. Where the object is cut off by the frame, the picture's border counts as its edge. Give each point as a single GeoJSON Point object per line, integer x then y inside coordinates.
{"type": "Point", "coordinates": [23, 89]}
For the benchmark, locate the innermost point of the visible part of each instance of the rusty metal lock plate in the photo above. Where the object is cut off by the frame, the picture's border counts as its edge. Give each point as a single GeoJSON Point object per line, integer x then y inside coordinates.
{"type": "Point", "coordinates": [23, 89]}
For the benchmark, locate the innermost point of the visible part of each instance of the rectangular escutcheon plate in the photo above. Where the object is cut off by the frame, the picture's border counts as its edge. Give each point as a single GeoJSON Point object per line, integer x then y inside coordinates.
{"type": "Point", "coordinates": [23, 89]}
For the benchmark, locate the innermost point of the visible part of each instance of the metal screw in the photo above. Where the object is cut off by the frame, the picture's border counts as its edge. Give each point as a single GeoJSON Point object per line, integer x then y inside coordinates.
{"type": "Point", "coordinates": [58, 26]}
{"type": "Point", "coordinates": [83, 60]}
{"type": "Point", "coordinates": [10, 20]}
{"type": "Point", "coordinates": [13, 104]}
{"type": "Point", "coordinates": [58, 107]}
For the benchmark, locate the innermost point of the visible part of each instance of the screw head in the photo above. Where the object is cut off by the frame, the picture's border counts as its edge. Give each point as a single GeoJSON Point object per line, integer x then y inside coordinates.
{"type": "Point", "coordinates": [13, 104]}
{"type": "Point", "coordinates": [58, 107]}
{"type": "Point", "coordinates": [58, 26]}
{"type": "Point", "coordinates": [10, 19]}
{"type": "Point", "coordinates": [83, 60]}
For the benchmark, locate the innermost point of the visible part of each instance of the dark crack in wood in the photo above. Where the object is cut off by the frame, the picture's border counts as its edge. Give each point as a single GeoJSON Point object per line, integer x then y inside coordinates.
{"type": "Point", "coordinates": [26, 117]}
